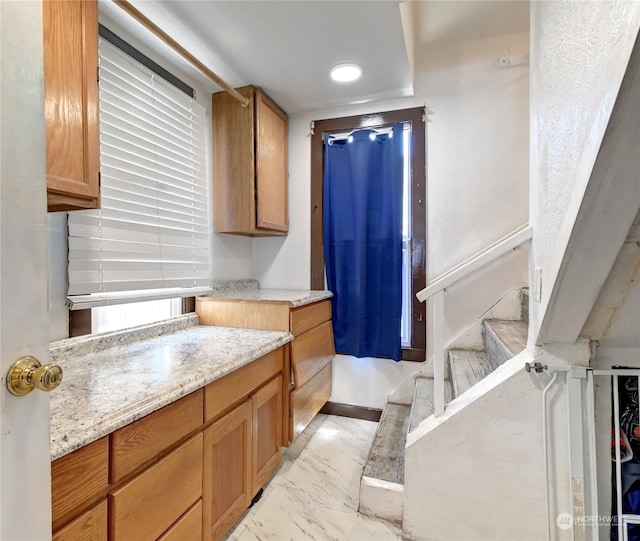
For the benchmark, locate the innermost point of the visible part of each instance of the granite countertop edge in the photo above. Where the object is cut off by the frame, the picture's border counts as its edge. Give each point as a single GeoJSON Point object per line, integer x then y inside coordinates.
{"type": "Point", "coordinates": [293, 297]}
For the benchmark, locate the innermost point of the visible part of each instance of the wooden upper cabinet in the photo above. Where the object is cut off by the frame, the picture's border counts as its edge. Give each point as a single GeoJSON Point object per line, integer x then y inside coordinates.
{"type": "Point", "coordinates": [250, 172]}
{"type": "Point", "coordinates": [71, 103]}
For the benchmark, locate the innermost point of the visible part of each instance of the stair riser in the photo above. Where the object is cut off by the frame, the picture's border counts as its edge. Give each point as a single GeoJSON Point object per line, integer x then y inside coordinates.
{"type": "Point", "coordinates": [497, 352]}
{"type": "Point", "coordinates": [524, 315]}
{"type": "Point", "coordinates": [381, 500]}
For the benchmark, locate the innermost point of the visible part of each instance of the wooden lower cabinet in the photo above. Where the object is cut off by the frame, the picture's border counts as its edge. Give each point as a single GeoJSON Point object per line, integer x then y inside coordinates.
{"type": "Point", "coordinates": [241, 452]}
{"type": "Point", "coordinates": [308, 355]}
{"type": "Point", "coordinates": [90, 526]}
{"type": "Point", "coordinates": [183, 473]}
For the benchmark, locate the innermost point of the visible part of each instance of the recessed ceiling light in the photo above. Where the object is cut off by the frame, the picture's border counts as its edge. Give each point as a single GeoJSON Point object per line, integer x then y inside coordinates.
{"type": "Point", "coordinates": [345, 73]}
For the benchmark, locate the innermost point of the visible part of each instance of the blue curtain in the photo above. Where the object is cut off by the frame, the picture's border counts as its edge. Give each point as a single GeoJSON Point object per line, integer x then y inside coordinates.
{"type": "Point", "coordinates": [362, 233]}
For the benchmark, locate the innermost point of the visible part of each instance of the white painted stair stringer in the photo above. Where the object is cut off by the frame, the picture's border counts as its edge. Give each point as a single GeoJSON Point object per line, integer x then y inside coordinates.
{"type": "Point", "coordinates": [472, 470]}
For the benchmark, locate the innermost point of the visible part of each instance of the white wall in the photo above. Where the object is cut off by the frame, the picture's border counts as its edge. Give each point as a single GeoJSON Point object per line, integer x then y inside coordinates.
{"type": "Point", "coordinates": [477, 168]}
{"type": "Point", "coordinates": [477, 470]}
{"type": "Point", "coordinates": [579, 51]}
{"type": "Point", "coordinates": [231, 255]}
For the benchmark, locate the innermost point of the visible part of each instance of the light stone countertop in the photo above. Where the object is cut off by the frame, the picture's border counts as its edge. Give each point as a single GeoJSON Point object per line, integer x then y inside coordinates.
{"type": "Point", "coordinates": [111, 385]}
{"type": "Point", "coordinates": [294, 297]}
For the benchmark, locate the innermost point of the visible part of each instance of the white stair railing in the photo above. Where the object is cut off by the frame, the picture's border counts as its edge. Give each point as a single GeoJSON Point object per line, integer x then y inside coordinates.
{"type": "Point", "coordinates": [437, 288]}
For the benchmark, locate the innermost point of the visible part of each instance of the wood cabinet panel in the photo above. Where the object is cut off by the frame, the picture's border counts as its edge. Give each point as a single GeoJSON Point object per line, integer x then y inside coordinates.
{"type": "Point", "coordinates": [271, 166]}
{"type": "Point", "coordinates": [225, 392]}
{"type": "Point", "coordinates": [267, 432]}
{"type": "Point", "coordinates": [308, 400]}
{"type": "Point", "coordinates": [78, 480]}
{"type": "Point", "coordinates": [311, 352]}
{"type": "Point", "coordinates": [70, 31]}
{"type": "Point", "coordinates": [188, 527]}
{"type": "Point", "coordinates": [312, 315]}
{"type": "Point", "coordinates": [250, 179]}
{"type": "Point", "coordinates": [90, 526]}
{"type": "Point", "coordinates": [233, 163]}
{"type": "Point", "coordinates": [145, 507]}
{"type": "Point", "coordinates": [146, 438]}
{"type": "Point", "coordinates": [227, 484]}
{"type": "Point", "coordinates": [248, 315]}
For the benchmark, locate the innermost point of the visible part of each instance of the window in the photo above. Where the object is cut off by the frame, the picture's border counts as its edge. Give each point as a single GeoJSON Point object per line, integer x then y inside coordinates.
{"type": "Point", "coordinates": [150, 239]}
{"type": "Point", "coordinates": [122, 316]}
{"type": "Point", "coordinates": [414, 222]}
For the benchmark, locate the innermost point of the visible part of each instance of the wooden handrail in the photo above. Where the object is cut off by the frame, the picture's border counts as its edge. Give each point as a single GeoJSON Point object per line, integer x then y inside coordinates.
{"type": "Point", "coordinates": [151, 26]}
{"type": "Point", "coordinates": [498, 248]}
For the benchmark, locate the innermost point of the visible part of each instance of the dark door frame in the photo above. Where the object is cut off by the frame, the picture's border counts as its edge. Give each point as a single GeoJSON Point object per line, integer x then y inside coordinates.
{"type": "Point", "coordinates": [416, 116]}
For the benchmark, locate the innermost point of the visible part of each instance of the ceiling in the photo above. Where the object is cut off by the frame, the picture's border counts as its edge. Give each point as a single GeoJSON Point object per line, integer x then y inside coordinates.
{"type": "Point", "coordinates": [288, 47]}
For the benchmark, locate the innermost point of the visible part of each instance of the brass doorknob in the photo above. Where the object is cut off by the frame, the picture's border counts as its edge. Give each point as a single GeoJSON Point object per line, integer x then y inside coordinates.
{"type": "Point", "coordinates": [28, 374]}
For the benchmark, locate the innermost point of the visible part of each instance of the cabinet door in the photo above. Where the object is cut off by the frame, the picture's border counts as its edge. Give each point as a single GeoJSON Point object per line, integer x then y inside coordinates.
{"type": "Point", "coordinates": [90, 526]}
{"type": "Point", "coordinates": [267, 431]}
{"type": "Point", "coordinates": [71, 103]}
{"type": "Point", "coordinates": [227, 485]}
{"type": "Point", "coordinates": [271, 166]}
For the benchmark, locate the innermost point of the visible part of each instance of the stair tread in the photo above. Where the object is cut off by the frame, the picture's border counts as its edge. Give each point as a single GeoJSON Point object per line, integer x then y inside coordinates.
{"type": "Point", "coordinates": [468, 367]}
{"type": "Point", "coordinates": [422, 405]}
{"type": "Point", "coordinates": [386, 457]}
{"type": "Point", "coordinates": [512, 333]}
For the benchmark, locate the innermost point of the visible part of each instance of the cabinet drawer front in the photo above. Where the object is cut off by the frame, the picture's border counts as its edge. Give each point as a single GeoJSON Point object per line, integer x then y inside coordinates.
{"type": "Point", "coordinates": [90, 526]}
{"type": "Point", "coordinates": [188, 527]}
{"type": "Point", "coordinates": [307, 401]}
{"type": "Point", "coordinates": [307, 317]}
{"type": "Point", "coordinates": [223, 393]}
{"type": "Point", "coordinates": [311, 352]}
{"type": "Point", "coordinates": [78, 480]}
{"type": "Point", "coordinates": [144, 439]}
{"type": "Point", "coordinates": [144, 508]}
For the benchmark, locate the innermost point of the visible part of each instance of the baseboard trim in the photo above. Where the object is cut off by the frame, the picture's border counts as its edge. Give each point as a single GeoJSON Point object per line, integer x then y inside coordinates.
{"type": "Point", "coordinates": [354, 412]}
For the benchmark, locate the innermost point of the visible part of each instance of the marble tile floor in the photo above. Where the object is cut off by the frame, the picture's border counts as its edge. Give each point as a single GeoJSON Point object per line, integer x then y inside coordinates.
{"type": "Point", "coordinates": [314, 494]}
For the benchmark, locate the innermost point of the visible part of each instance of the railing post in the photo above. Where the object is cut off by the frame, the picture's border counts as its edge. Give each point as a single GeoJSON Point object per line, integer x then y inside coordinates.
{"type": "Point", "coordinates": [438, 352]}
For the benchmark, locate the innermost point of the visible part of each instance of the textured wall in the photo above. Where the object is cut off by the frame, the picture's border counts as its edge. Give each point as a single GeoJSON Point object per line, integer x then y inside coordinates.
{"type": "Point", "coordinates": [579, 52]}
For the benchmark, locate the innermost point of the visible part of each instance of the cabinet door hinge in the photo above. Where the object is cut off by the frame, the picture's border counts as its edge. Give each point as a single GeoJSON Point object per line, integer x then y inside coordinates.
{"type": "Point", "coordinates": [99, 179]}
{"type": "Point", "coordinates": [98, 73]}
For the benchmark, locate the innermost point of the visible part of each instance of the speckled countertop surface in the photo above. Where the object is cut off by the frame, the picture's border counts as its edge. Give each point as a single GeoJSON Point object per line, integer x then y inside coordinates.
{"type": "Point", "coordinates": [294, 297]}
{"type": "Point", "coordinates": [127, 375]}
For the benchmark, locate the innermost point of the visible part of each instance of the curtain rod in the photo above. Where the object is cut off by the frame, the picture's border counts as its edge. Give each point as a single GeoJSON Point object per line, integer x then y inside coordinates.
{"type": "Point", "coordinates": [126, 6]}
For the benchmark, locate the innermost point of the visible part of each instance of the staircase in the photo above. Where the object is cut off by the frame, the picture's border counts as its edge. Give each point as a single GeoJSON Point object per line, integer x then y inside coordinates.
{"type": "Point", "coordinates": [382, 481]}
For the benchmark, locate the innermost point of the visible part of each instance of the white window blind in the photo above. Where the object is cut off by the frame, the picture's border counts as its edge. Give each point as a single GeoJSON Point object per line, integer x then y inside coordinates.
{"type": "Point", "coordinates": [152, 232]}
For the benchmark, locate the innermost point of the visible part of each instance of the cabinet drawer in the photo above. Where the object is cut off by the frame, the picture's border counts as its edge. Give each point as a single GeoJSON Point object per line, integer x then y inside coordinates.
{"type": "Point", "coordinates": [90, 526]}
{"type": "Point", "coordinates": [78, 480]}
{"type": "Point", "coordinates": [145, 507]}
{"type": "Point", "coordinates": [144, 439]}
{"type": "Point", "coordinates": [311, 352]}
{"type": "Point", "coordinates": [308, 400]}
{"type": "Point", "coordinates": [307, 317]}
{"type": "Point", "coordinates": [223, 393]}
{"type": "Point", "coordinates": [188, 527]}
